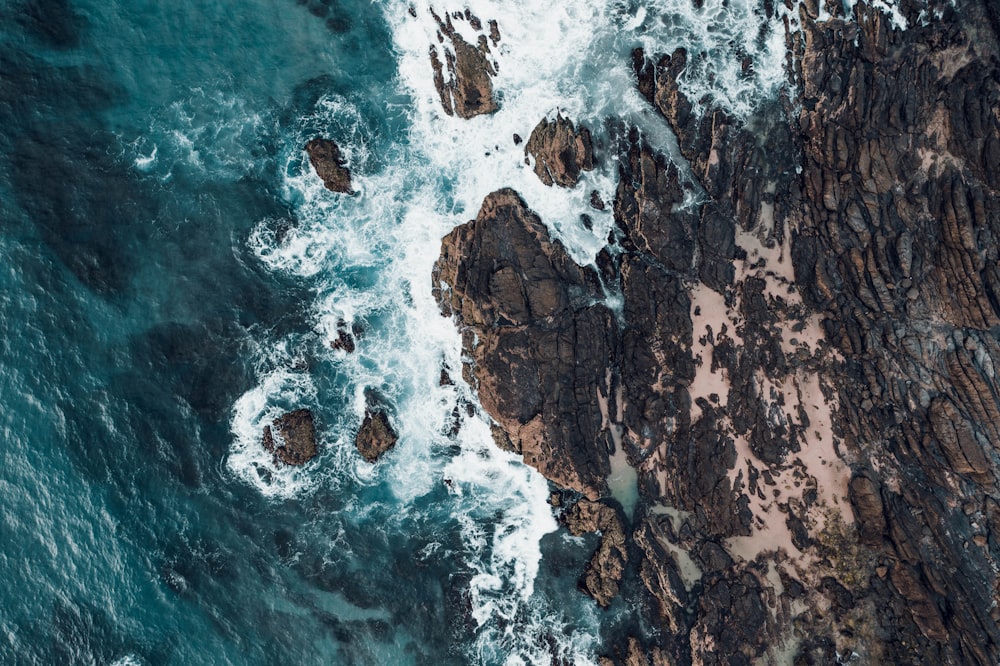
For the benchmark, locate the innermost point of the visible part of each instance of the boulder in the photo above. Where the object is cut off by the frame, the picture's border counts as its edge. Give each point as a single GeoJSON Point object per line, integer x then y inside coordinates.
{"type": "Point", "coordinates": [296, 438]}
{"type": "Point", "coordinates": [376, 435]}
{"type": "Point", "coordinates": [560, 151]}
{"type": "Point", "coordinates": [325, 157]}
{"type": "Point", "coordinates": [523, 305]}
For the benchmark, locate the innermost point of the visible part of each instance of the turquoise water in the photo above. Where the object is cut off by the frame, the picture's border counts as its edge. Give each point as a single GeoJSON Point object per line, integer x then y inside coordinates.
{"type": "Point", "coordinates": [172, 275]}
{"type": "Point", "coordinates": [137, 311]}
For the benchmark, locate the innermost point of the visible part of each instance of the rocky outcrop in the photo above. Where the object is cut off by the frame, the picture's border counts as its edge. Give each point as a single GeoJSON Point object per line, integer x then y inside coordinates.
{"type": "Point", "coordinates": [296, 438]}
{"type": "Point", "coordinates": [540, 347]}
{"type": "Point", "coordinates": [560, 151]}
{"type": "Point", "coordinates": [467, 91]}
{"type": "Point", "coordinates": [329, 164]}
{"type": "Point", "coordinates": [604, 572]}
{"type": "Point", "coordinates": [803, 374]}
{"type": "Point", "coordinates": [897, 243]}
{"type": "Point", "coordinates": [376, 435]}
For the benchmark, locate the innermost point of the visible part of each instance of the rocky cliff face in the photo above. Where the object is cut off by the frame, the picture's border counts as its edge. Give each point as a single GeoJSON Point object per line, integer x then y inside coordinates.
{"type": "Point", "coordinates": [803, 373]}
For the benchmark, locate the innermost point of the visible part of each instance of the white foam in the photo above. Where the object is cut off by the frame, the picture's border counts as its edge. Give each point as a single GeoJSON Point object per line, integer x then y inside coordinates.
{"type": "Point", "coordinates": [279, 391]}
{"type": "Point", "coordinates": [145, 162]}
{"type": "Point", "coordinates": [369, 257]}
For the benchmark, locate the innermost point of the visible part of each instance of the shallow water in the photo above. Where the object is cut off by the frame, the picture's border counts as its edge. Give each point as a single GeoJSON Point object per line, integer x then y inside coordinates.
{"type": "Point", "coordinates": [173, 273]}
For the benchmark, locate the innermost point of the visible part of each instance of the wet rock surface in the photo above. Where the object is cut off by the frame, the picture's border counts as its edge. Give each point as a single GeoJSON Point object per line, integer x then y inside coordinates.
{"type": "Point", "coordinates": [528, 305]}
{"type": "Point", "coordinates": [376, 435]}
{"type": "Point", "coordinates": [803, 373]}
{"type": "Point", "coordinates": [560, 151]}
{"type": "Point", "coordinates": [292, 438]}
{"type": "Point", "coordinates": [604, 572]}
{"type": "Point", "coordinates": [329, 164]}
{"type": "Point", "coordinates": [464, 80]}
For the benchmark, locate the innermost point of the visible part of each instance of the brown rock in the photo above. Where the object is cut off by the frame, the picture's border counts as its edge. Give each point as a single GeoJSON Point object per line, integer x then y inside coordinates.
{"type": "Point", "coordinates": [560, 151]}
{"type": "Point", "coordinates": [520, 296]}
{"type": "Point", "coordinates": [345, 340]}
{"type": "Point", "coordinates": [603, 573]}
{"type": "Point", "coordinates": [325, 157]}
{"type": "Point", "coordinates": [376, 435]}
{"type": "Point", "coordinates": [867, 504]}
{"type": "Point", "coordinates": [297, 436]}
{"type": "Point", "coordinates": [468, 90]}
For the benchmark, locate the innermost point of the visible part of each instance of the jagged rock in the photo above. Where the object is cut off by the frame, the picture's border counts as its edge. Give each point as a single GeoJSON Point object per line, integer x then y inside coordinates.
{"type": "Point", "coordinates": [661, 575]}
{"type": "Point", "coordinates": [325, 157]}
{"type": "Point", "coordinates": [648, 190]}
{"type": "Point", "coordinates": [297, 436]}
{"type": "Point", "coordinates": [717, 638]}
{"type": "Point", "coordinates": [344, 340]}
{"type": "Point", "coordinates": [527, 304]}
{"type": "Point", "coordinates": [603, 574]}
{"type": "Point", "coordinates": [376, 435]}
{"type": "Point", "coordinates": [884, 199]}
{"type": "Point", "coordinates": [560, 151]}
{"type": "Point", "coordinates": [468, 90]}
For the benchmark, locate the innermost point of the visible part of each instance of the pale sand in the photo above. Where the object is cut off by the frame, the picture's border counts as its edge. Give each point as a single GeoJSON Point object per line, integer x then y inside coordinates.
{"type": "Point", "coordinates": [709, 313]}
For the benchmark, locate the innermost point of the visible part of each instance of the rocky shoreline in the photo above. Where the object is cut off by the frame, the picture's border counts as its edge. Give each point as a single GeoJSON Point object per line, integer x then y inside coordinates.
{"type": "Point", "coordinates": [802, 374]}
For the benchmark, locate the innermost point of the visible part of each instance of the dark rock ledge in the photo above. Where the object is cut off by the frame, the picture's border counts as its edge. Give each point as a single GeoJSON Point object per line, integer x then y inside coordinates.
{"type": "Point", "coordinates": [325, 157]}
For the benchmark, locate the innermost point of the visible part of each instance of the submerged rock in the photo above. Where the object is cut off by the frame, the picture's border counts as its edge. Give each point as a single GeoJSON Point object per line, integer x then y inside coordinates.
{"type": "Point", "coordinates": [376, 435]}
{"type": "Point", "coordinates": [560, 151]}
{"type": "Point", "coordinates": [296, 438]}
{"type": "Point", "coordinates": [325, 157]}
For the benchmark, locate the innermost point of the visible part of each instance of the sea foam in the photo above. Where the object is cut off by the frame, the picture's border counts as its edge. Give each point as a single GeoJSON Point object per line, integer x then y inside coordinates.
{"type": "Point", "coordinates": [368, 259]}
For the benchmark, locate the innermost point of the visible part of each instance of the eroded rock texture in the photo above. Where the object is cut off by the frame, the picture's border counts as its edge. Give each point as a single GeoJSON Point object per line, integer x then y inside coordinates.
{"type": "Point", "coordinates": [560, 150]}
{"type": "Point", "coordinates": [327, 160]}
{"type": "Point", "coordinates": [376, 435]}
{"type": "Point", "coordinates": [468, 89]}
{"type": "Point", "coordinates": [541, 348]}
{"type": "Point", "coordinates": [604, 571]}
{"type": "Point", "coordinates": [296, 438]}
{"type": "Point", "coordinates": [803, 371]}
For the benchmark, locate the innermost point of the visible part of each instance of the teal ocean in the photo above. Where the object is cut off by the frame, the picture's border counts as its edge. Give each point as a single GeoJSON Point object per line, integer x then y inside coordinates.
{"type": "Point", "coordinates": [172, 275]}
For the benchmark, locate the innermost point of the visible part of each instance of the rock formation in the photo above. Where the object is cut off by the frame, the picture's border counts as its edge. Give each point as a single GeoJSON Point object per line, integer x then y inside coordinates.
{"type": "Point", "coordinates": [560, 151]}
{"type": "Point", "coordinates": [325, 157]}
{"type": "Point", "coordinates": [544, 348]}
{"type": "Point", "coordinates": [604, 571]}
{"type": "Point", "coordinates": [468, 90]}
{"type": "Point", "coordinates": [376, 435]}
{"type": "Point", "coordinates": [296, 434]}
{"type": "Point", "coordinates": [803, 374]}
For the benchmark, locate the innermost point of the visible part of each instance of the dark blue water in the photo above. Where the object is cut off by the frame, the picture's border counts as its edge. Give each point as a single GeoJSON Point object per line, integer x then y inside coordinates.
{"type": "Point", "coordinates": [171, 276]}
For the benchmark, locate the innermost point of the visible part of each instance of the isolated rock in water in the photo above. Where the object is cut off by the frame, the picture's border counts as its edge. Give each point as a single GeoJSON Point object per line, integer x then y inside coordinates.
{"type": "Point", "coordinates": [560, 151]}
{"type": "Point", "coordinates": [604, 572]}
{"type": "Point", "coordinates": [522, 303]}
{"type": "Point", "coordinates": [376, 435]}
{"type": "Point", "coordinates": [344, 340]}
{"type": "Point", "coordinates": [297, 436]}
{"type": "Point", "coordinates": [329, 165]}
{"type": "Point", "coordinates": [468, 89]}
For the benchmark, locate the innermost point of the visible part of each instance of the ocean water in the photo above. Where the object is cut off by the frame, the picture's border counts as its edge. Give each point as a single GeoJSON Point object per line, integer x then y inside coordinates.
{"type": "Point", "coordinates": [173, 273]}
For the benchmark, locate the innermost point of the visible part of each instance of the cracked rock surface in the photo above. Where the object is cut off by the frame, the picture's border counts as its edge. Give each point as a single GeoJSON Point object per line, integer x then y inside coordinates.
{"type": "Point", "coordinates": [802, 373]}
